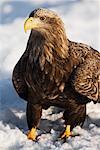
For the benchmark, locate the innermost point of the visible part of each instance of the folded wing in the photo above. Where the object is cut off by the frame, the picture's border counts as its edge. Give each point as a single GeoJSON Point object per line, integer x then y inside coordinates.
{"type": "Point", "coordinates": [86, 78]}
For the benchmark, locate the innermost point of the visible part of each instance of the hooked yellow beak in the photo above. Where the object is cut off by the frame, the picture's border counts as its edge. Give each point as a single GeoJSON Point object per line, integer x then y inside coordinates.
{"type": "Point", "coordinates": [31, 23]}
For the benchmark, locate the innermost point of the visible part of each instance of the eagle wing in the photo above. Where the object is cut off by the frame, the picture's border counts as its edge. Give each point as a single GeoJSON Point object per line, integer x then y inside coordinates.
{"type": "Point", "coordinates": [18, 77]}
{"type": "Point", "coordinates": [86, 77]}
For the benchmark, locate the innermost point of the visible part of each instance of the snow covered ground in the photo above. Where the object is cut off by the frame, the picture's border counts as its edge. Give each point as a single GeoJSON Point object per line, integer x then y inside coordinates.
{"type": "Point", "coordinates": [82, 23]}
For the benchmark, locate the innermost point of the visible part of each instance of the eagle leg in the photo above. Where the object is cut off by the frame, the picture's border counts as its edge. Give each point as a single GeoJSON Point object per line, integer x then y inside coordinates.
{"type": "Point", "coordinates": [73, 116]}
{"type": "Point", "coordinates": [67, 132]}
{"type": "Point", "coordinates": [33, 114]}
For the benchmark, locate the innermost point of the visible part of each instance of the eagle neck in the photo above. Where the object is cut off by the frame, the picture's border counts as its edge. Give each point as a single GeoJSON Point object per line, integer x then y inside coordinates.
{"type": "Point", "coordinates": [48, 48]}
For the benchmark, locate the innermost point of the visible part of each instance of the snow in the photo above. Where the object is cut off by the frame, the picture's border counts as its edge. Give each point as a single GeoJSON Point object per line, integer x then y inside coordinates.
{"type": "Point", "coordinates": [82, 23]}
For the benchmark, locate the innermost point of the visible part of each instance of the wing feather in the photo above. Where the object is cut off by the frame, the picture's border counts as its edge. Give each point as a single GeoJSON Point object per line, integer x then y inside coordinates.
{"type": "Point", "coordinates": [18, 77]}
{"type": "Point", "coordinates": [86, 78]}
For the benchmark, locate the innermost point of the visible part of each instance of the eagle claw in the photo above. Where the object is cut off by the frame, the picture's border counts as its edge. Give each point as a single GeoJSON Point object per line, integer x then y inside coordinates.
{"type": "Point", "coordinates": [32, 134]}
{"type": "Point", "coordinates": [67, 133]}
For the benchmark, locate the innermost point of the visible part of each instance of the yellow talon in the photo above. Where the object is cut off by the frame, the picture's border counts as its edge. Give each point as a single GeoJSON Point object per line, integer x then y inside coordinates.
{"type": "Point", "coordinates": [67, 132]}
{"type": "Point", "coordinates": [32, 134]}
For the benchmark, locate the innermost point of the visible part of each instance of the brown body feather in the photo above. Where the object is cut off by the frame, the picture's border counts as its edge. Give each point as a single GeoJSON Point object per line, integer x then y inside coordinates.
{"type": "Point", "coordinates": [56, 71]}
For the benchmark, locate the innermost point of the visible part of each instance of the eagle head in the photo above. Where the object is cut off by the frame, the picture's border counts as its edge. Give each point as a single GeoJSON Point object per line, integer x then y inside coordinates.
{"type": "Point", "coordinates": [48, 25]}
{"type": "Point", "coordinates": [43, 19]}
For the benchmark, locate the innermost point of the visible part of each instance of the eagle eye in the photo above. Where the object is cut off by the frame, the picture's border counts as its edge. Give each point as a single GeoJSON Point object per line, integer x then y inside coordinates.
{"type": "Point", "coordinates": [42, 18]}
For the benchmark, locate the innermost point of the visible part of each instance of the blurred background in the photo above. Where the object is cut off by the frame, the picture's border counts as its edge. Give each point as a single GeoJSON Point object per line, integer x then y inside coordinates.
{"type": "Point", "coordinates": [81, 19]}
{"type": "Point", "coordinates": [82, 24]}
